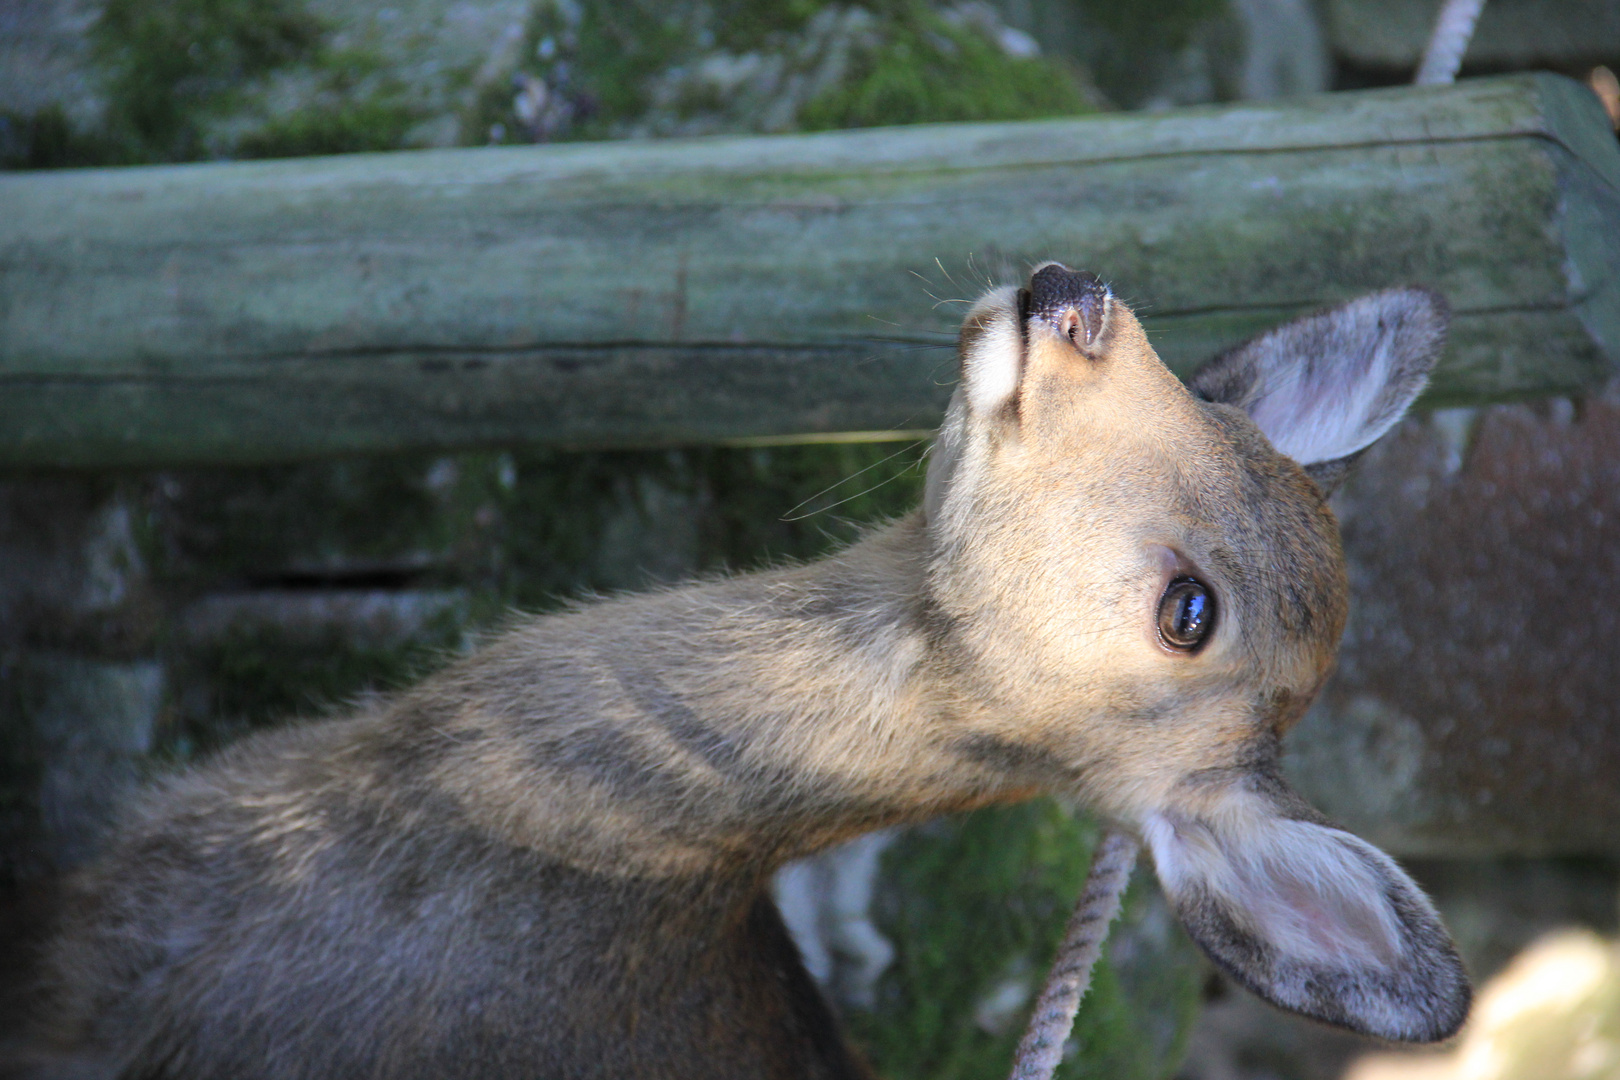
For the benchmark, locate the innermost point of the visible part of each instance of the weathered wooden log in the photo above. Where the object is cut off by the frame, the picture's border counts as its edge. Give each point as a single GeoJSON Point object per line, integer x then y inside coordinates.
{"type": "Point", "coordinates": [760, 288]}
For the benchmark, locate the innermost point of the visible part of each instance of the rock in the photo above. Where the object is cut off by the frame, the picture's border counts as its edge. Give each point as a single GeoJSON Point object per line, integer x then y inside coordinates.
{"type": "Point", "coordinates": [826, 901]}
{"type": "Point", "coordinates": [77, 733]}
{"type": "Point", "coordinates": [1473, 711]}
{"type": "Point", "coordinates": [72, 574]}
{"type": "Point", "coordinates": [1284, 53]}
{"type": "Point", "coordinates": [94, 723]}
{"type": "Point", "coordinates": [376, 617]}
{"type": "Point", "coordinates": [79, 689]}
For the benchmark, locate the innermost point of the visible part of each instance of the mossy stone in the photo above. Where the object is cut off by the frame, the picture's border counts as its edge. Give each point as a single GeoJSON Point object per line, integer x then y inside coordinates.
{"type": "Point", "coordinates": [975, 907]}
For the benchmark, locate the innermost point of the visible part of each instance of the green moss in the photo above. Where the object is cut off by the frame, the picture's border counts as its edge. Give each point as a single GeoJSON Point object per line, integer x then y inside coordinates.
{"type": "Point", "coordinates": [169, 65]}
{"type": "Point", "coordinates": [555, 510]}
{"type": "Point", "coordinates": [179, 72]}
{"type": "Point", "coordinates": [620, 42]}
{"type": "Point", "coordinates": [638, 67]}
{"type": "Point", "coordinates": [741, 25]}
{"type": "Point", "coordinates": [974, 901]}
{"type": "Point", "coordinates": [358, 106]}
{"type": "Point", "coordinates": [929, 70]}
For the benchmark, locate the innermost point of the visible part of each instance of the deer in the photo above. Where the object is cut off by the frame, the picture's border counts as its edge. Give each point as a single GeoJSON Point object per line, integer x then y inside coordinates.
{"type": "Point", "coordinates": [552, 857]}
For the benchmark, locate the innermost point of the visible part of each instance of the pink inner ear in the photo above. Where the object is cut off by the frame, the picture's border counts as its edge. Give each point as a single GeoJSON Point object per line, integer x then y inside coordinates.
{"type": "Point", "coordinates": [1303, 889]}
{"type": "Point", "coordinates": [1311, 919]}
{"type": "Point", "coordinates": [1332, 920]}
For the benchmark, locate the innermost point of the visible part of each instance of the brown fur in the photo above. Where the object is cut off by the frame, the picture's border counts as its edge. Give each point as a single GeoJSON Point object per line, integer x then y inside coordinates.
{"type": "Point", "coordinates": [550, 859]}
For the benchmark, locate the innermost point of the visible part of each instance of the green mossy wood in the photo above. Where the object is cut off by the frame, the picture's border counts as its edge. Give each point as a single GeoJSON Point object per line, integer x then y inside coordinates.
{"type": "Point", "coordinates": [770, 287]}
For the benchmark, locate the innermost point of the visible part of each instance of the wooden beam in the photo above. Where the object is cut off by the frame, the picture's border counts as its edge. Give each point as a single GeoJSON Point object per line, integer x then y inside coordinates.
{"type": "Point", "coordinates": [736, 289]}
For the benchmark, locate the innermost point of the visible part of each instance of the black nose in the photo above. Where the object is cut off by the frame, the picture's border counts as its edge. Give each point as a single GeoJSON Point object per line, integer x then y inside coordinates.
{"type": "Point", "coordinates": [1054, 289]}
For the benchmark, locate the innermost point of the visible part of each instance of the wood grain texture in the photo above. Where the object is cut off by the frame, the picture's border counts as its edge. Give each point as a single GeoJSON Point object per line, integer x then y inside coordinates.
{"type": "Point", "coordinates": [770, 287]}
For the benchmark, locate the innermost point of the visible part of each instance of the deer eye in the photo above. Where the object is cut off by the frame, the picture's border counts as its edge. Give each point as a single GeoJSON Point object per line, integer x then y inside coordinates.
{"type": "Point", "coordinates": [1186, 614]}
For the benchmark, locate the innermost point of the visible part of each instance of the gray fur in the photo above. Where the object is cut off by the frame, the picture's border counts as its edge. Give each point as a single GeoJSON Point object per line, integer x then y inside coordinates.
{"type": "Point", "coordinates": [1419, 993]}
{"type": "Point", "coordinates": [1291, 370]}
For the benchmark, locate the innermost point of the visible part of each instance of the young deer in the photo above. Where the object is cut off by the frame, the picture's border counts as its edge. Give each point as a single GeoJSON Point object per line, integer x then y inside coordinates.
{"type": "Point", "coordinates": [551, 858]}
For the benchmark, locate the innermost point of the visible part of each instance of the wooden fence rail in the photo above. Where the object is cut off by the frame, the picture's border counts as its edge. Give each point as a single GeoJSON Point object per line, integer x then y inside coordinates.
{"type": "Point", "coordinates": [790, 287]}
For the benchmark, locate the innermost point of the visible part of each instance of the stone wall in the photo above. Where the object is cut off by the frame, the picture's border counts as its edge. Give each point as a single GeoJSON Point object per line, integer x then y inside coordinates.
{"type": "Point", "coordinates": [1473, 712]}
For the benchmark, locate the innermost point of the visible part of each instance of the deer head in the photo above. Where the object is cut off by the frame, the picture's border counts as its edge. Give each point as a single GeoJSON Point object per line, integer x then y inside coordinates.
{"type": "Point", "coordinates": [1147, 584]}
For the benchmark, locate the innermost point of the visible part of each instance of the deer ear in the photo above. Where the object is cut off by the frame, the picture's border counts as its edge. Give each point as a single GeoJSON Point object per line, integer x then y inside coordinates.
{"type": "Point", "coordinates": [1325, 387]}
{"type": "Point", "coordinates": [1313, 920]}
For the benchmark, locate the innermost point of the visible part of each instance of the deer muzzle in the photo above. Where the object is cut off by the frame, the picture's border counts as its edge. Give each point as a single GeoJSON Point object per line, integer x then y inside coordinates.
{"type": "Point", "coordinates": [1072, 302]}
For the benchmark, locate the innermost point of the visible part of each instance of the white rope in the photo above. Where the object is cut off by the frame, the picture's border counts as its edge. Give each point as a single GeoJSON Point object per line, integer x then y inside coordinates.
{"type": "Point", "coordinates": [1453, 29]}
{"type": "Point", "coordinates": [1041, 1048]}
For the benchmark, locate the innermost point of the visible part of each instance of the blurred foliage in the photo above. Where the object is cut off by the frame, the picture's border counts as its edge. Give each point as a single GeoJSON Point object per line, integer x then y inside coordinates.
{"type": "Point", "coordinates": [368, 126]}
{"type": "Point", "coordinates": [1126, 47]}
{"type": "Point", "coordinates": [167, 64]}
{"type": "Point", "coordinates": [338, 119]}
{"type": "Point", "coordinates": [932, 70]}
{"type": "Point", "coordinates": [191, 79]}
{"type": "Point", "coordinates": [639, 67]}
{"type": "Point", "coordinates": [47, 139]}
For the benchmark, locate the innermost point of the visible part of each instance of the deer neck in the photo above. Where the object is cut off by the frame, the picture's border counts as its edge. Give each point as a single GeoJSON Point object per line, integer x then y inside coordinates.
{"type": "Point", "coordinates": [730, 725]}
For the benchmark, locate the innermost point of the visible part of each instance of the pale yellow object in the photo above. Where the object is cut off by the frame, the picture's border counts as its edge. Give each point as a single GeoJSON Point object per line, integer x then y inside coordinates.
{"type": "Point", "coordinates": [1607, 87]}
{"type": "Point", "coordinates": [1553, 1014]}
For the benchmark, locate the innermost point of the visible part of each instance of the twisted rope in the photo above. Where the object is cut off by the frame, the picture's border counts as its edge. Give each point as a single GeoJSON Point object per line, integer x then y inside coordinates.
{"type": "Point", "coordinates": [1453, 29]}
{"type": "Point", "coordinates": [1041, 1048]}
